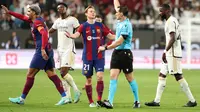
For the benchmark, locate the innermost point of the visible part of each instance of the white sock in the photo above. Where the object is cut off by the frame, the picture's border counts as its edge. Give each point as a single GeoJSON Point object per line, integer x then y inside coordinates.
{"type": "Point", "coordinates": [186, 89]}
{"type": "Point", "coordinates": [66, 88]}
{"type": "Point", "coordinates": [70, 81]}
{"type": "Point", "coordinates": [160, 89]}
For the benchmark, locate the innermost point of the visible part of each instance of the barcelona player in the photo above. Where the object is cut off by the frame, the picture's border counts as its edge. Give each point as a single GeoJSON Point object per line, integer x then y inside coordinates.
{"type": "Point", "coordinates": [93, 34]}
{"type": "Point", "coordinates": [43, 57]}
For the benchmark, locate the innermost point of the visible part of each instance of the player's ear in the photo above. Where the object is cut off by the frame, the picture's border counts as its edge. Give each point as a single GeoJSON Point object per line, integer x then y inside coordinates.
{"type": "Point", "coordinates": [86, 14]}
{"type": "Point", "coordinates": [33, 12]}
{"type": "Point", "coordinates": [65, 8]}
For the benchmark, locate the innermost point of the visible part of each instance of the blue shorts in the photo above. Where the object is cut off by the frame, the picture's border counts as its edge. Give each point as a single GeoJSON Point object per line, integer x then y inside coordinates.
{"type": "Point", "coordinates": [88, 66]}
{"type": "Point", "coordinates": [39, 63]}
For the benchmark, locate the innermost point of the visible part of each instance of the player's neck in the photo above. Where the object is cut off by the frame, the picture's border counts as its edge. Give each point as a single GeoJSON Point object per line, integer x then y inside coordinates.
{"type": "Point", "coordinates": [123, 18]}
{"type": "Point", "coordinates": [64, 16]}
{"type": "Point", "coordinates": [34, 18]}
{"type": "Point", "coordinates": [90, 21]}
{"type": "Point", "coordinates": [168, 16]}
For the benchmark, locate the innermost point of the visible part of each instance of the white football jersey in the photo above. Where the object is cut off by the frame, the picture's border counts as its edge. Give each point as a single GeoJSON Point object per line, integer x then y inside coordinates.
{"type": "Point", "coordinates": [172, 25]}
{"type": "Point", "coordinates": [62, 25]}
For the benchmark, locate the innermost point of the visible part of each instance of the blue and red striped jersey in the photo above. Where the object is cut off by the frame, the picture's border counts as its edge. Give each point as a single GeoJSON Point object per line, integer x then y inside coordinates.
{"type": "Point", "coordinates": [93, 37]}
{"type": "Point", "coordinates": [37, 37]}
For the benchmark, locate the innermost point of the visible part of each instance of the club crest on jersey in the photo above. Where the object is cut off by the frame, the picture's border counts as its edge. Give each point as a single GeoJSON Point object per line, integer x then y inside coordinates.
{"type": "Point", "coordinates": [87, 31]}
{"type": "Point", "coordinates": [89, 38]}
{"type": "Point", "coordinates": [98, 30]}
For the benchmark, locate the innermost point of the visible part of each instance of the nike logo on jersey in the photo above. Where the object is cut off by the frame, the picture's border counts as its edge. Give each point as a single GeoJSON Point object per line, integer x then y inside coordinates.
{"type": "Point", "coordinates": [87, 31]}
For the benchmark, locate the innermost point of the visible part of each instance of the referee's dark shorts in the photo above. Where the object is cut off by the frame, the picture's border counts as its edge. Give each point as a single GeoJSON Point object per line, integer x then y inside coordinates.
{"type": "Point", "coordinates": [123, 60]}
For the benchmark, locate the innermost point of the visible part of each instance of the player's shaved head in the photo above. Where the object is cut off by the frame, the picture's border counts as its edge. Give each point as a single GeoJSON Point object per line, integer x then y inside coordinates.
{"type": "Point", "coordinates": [65, 5]}
{"type": "Point", "coordinates": [166, 6]}
{"type": "Point", "coordinates": [164, 11]}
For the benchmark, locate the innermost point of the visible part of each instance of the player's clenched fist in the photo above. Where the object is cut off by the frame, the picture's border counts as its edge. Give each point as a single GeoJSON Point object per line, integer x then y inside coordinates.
{"type": "Point", "coordinates": [101, 48]}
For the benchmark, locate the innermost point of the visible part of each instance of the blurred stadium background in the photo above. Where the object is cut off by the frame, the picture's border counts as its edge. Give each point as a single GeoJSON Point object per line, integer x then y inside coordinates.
{"type": "Point", "coordinates": [17, 48]}
{"type": "Point", "coordinates": [148, 29]}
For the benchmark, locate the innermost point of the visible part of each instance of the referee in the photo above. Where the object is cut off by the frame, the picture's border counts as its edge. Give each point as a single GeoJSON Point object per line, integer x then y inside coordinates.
{"type": "Point", "coordinates": [122, 58]}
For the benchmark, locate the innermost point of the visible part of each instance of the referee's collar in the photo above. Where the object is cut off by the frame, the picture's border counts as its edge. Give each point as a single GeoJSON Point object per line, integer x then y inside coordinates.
{"type": "Point", "coordinates": [127, 19]}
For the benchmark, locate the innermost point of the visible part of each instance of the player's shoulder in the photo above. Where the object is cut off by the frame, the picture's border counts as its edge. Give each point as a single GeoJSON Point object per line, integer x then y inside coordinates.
{"type": "Point", "coordinates": [172, 19]}
{"type": "Point", "coordinates": [38, 21]}
{"type": "Point", "coordinates": [99, 24]}
{"type": "Point", "coordinates": [57, 20]}
{"type": "Point", "coordinates": [127, 21]}
{"type": "Point", "coordinates": [71, 18]}
{"type": "Point", "coordinates": [84, 24]}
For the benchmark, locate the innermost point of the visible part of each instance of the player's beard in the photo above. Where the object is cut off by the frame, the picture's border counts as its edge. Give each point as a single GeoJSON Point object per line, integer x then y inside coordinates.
{"type": "Point", "coordinates": [163, 17]}
{"type": "Point", "coordinates": [62, 14]}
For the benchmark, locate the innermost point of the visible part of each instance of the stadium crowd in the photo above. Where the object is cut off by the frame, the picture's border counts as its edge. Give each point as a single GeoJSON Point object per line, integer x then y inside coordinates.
{"type": "Point", "coordinates": [143, 13]}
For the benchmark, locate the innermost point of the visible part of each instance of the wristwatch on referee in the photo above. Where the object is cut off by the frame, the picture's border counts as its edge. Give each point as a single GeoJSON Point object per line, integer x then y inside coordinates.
{"type": "Point", "coordinates": [106, 47]}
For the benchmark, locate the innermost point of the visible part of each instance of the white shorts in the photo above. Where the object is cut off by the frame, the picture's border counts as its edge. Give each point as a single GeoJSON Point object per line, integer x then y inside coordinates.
{"type": "Point", "coordinates": [65, 59]}
{"type": "Point", "coordinates": [173, 66]}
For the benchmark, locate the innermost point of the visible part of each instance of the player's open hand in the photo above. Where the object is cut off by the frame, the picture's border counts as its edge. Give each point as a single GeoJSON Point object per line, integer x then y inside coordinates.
{"type": "Point", "coordinates": [5, 9]}
{"type": "Point", "coordinates": [44, 54]}
{"type": "Point", "coordinates": [101, 48]}
{"type": "Point", "coordinates": [164, 57]}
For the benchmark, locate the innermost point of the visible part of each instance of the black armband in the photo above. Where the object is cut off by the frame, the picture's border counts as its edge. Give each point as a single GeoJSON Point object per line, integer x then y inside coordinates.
{"type": "Point", "coordinates": [125, 36]}
{"type": "Point", "coordinates": [106, 47]}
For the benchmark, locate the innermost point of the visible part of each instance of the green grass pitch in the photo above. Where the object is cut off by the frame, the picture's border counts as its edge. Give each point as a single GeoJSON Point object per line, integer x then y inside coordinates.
{"type": "Point", "coordinates": [43, 95]}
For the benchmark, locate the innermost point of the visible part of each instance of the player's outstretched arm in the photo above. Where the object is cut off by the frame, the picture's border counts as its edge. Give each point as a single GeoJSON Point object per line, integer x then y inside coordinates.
{"type": "Point", "coordinates": [17, 15]}
{"type": "Point", "coordinates": [116, 5]}
{"type": "Point", "coordinates": [73, 36]}
{"type": "Point", "coordinates": [51, 30]}
{"type": "Point", "coordinates": [111, 36]}
{"type": "Point", "coordinates": [116, 43]}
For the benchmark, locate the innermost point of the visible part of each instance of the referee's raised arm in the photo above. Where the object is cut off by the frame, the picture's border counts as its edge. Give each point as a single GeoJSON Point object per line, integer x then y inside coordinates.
{"type": "Point", "coordinates": [116, 5]}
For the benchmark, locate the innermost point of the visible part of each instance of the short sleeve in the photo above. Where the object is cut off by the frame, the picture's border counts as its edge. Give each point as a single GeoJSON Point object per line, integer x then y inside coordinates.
{"type": "Point", "coordinates": [125, 30]}
{"type": "Point", "coordinates": [75, 23]}
{"type": "Point", "coordinates": [38, 23]}
{"type": "Point", "coordinates": [106, 30]}
{"type": "Point", "coordinates": [80, 29]}
{"type": "Point", "coordinates": [54, 26]}
{"type": "Point", "coordinates": [171, 26]}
